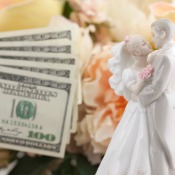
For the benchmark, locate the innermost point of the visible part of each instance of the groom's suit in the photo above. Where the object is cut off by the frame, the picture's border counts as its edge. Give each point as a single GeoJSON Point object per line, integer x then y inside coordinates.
{"type": "Point", "coordinates": [159, 98]}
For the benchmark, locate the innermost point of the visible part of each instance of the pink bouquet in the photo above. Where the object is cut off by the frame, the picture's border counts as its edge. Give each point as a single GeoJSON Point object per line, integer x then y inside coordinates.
{"type": "Point", "coordinates": [146, 73]}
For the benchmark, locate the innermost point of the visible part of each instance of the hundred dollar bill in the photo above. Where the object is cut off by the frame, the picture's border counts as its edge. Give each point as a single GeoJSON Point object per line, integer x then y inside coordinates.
{"type": "Point", "coordinates": [40, 34]}
{"type": "Point", "coordinates": [61, 46]}
{"type": "Point", "coordinates": [74, 119]}
{"type": "Point", "coordinates": [35, 112]}
{"type": "Point", "coordinates": [57, 59]}
{"type": "Point", "coordinates": [50, 58]}
{"type": "Point", "coordinates": [66, 71]}
{"type": "Point", "coordinates": [60, 58]}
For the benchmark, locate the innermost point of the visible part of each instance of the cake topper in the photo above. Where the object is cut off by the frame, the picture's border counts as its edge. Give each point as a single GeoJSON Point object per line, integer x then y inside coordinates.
{"type": "Point", "coordinates": [144, 140]}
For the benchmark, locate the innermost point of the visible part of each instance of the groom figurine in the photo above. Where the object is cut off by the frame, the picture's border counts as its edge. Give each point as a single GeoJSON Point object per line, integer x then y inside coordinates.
{"type": "Point", "coordinates": [158, 96]}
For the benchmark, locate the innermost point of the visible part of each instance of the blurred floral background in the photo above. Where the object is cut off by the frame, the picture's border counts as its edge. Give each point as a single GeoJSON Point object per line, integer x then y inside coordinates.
{"type": "Point", "coordinates": [101, 24]}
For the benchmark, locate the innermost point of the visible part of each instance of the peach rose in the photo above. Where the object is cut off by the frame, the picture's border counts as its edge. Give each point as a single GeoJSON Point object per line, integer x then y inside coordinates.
{"type": "Point", "coordinates": [7, 4]}
{"type": "Point", "coordinates": [163, 10]}
{"type": "Point", "coordinates": [103, 108]}
{"type": "Point", "coordinates": [110, 17]}
{"type": "Point", "coordinates": [130, 17]}
{"type": "Point", "coordinates": [89, 11]}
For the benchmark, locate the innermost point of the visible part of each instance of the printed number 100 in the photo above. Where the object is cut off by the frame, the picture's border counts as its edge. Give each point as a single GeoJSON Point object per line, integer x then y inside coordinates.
{"type": "Point", "coordinates": [41, 136]}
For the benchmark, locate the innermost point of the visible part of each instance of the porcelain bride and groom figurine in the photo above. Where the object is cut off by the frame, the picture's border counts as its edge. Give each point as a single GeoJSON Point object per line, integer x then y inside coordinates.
{"type": "Point", "coordinates": [144, 140]}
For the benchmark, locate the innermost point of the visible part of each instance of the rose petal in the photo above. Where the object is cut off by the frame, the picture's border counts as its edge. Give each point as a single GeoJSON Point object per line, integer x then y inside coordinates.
{"type": "Point", "coordinates": [161, 8]}
{"type": "Point", "coordinates": [105, 131]}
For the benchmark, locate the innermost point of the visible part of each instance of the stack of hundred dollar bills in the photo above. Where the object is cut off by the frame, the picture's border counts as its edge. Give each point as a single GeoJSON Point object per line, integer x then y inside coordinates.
{"type": "Point", "coordinates": [38, 90]}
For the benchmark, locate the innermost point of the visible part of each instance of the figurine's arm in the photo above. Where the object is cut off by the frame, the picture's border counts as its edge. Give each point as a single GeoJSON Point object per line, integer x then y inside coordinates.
{"type": "Point", "coordinates": [131, 82]}
{"type": "Point", "coordinates": [159, 83]}
{"type": "Point", "coordinates": [137, 87]}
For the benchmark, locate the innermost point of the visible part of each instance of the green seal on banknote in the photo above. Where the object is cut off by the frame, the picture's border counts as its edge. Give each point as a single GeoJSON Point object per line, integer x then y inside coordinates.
{"type": "Point", "coordinates": [25, 110]}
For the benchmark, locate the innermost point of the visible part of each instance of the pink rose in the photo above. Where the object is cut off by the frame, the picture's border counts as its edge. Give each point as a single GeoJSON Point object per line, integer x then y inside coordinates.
{"type": "Point", "coordinates": [146, 73]}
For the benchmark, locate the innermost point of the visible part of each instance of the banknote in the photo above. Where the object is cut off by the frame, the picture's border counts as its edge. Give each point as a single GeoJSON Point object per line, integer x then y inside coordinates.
{"type": "Point", "coordinates": [57, 59]}
{"type": "Point", "coordinates": [35, 112]}
{"type": "Point", "coordinates": [67, 71]}
{"type": "Point", "coordinates": [74, 119]}
{"type": "Point", "coordinates": [40, 34]}
{"type": "Point", "coordinates": [80, 98]}
{"type": "Point", "coordinates": [60, 58]}
{"type": "Point", "coordinates": [61, 46]}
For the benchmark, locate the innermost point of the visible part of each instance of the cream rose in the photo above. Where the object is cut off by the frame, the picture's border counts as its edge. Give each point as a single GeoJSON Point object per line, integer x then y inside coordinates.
{"type": "Point", "coordinates": [24, 14]}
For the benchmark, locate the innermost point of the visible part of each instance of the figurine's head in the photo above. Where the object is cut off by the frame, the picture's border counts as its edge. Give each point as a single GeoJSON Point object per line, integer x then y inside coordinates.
{"type": "Point", "coordinates": [163, 31]}
{"type": "Point", "coordinates": [137, 45]}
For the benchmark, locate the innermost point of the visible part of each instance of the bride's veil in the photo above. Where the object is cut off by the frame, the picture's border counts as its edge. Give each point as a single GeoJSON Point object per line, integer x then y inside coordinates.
{"type": "Point", "coordinates": [117, 64]}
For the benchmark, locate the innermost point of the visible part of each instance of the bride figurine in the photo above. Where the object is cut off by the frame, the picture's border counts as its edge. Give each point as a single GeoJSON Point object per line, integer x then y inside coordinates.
{"type": "Point", "coordinates": [127, 153]}
{"type": "Point", "coordinates": [144, 140]}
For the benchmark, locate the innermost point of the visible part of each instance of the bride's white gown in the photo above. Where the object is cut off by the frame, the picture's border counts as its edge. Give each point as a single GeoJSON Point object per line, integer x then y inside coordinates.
{"type": "Point", "coordinates": [137, 146]}
{"type": "Point", "coordinates": [128, 153]}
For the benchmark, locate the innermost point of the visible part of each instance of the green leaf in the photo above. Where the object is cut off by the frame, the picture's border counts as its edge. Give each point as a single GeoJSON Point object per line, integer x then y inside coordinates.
{"type": "Point", "coordinates": [76, 165]}
{"type": "Point", "coordinates": [85, 167]}
{"type": "Point", "coordinates": [67, 168]}
{"type": "Point", "coordinates": [67, 10]}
